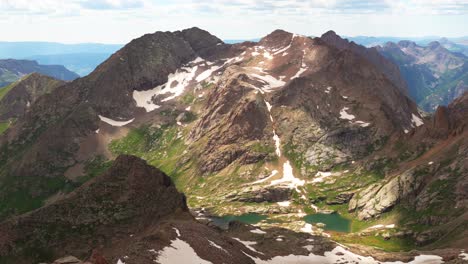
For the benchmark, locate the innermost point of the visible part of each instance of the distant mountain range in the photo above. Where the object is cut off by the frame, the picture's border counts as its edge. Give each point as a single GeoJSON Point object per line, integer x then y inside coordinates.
{"type": "Point", "coordinates": [12, 70]}
{"type": "Point", "coordinates": [80, 58]}
{"type": "Point", "coordinates": [453, 44]}
{"type": "Point", "coordinates": [434, 74]}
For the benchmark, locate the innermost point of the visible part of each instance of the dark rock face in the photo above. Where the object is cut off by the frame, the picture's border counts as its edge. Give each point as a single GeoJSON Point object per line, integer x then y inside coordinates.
{"type": "Point", "coordinates": [129, 196]}
{"type": "Point", "coordinates": [19, 68]}
{"type": "Point", "coordinates": [260, 195]}
{"type": "Point", "coordinates": [24, 93]}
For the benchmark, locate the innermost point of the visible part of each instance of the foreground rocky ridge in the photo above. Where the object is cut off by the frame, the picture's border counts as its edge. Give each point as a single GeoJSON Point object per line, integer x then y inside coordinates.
{"type": "Point", "coordinates": [284, 126]}
{"type": "Point", "coordinates": [132, 213]}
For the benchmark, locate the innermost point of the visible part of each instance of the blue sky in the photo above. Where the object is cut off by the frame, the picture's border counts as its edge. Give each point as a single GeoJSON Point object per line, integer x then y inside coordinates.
{"type": "Point", "coordinates": [119, 21]}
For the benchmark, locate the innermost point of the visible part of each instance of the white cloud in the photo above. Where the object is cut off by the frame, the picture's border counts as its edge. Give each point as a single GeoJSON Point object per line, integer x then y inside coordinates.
{"type": "Point", "coordinates": [118, 21]}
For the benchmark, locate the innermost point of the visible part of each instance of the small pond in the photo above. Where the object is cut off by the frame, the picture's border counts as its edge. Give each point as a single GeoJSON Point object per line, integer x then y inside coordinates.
{"type": "Point", "coordinates": [333, 222]}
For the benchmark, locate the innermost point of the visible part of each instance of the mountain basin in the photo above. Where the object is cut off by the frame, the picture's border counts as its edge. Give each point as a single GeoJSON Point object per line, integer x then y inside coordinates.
{"type": "Point", "coordinates": [333, 222]}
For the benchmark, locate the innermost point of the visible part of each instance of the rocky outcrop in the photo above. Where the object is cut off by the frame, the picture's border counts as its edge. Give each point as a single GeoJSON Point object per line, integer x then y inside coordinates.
{"type": "Point", "coordinates": [381, 197]}
{"type": "Point", "coordinates": [259, 194]}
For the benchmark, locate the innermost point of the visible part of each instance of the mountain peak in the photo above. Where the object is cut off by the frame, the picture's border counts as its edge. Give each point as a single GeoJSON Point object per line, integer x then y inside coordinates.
{"type": "Point", "coordinates": [200, 39]}
{"type": "Point", "coordinates": [434, 45]}
{"type": "Point", "coordinates": [330, 33]}
{"type": "Point", "coordinates": [406, 43]}
{"type": "Point", "coordinates": [278, 37]}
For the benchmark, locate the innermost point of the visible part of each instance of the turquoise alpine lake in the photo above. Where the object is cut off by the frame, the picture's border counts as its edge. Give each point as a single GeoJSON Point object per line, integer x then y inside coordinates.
{"type": "Point", "coordinates": [333, 222]}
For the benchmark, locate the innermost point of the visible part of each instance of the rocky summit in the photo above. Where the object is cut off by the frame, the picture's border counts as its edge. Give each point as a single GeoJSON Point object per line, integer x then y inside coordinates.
{"type": "Point", "coordinates": [291, 149]}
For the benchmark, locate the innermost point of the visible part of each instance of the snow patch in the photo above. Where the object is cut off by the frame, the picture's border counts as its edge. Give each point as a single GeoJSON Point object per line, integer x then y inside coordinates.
{"type": "Point", "coordinates": [309, 247]}
{"type": "Point", "coordinates": [321, 175]}
{"type": "Point", "coordinates": [362, 123]}
{"type": "Point", "coordinates": [114, 122]}
{"type": "Point", "coordinates": [307, 228]}
{"type": "Point", "coordinates": [346, 115]}
{"type": "Point", "coordinates": [207, 73]}
{"type": "Point", "coordinates": [273, 173]}
{"type": "Point", "coordinates": [270, 81]}
{"type": "Point", "coordinates": [382, 226]}
{"type": "Point", "coordinates": [288, 177]}
{"type": "Point", "coordinates": [213, 244]}
{"type": "Point", "coordinates": [175, 85]}
{"type": "Point", "coordinates": [339, 255]}
{"type": "Point", "coordinates": [463, 255]}
{"type": "Point", "coordinates": [284, 204]}
{"type": "Point", "coordinates": [179, 252]}
{"type": "Point", "coordinates": [267, 55]}
{"type": "Point", "coordinates": [258, 231]}
{"type": "Point", "coordinates": [248, 244]}
{"type": "Point", "coordinates": [416, 120]}
{"type": "Point", "coordinates": [177, 231]}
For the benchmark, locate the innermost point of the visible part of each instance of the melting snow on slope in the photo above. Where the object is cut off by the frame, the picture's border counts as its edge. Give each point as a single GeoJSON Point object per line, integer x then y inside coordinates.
{"type": "Point", "coordinates": [258, 231]}
{"type": "Point", "coordinates": [207, 73]}
{"type": "Point", "coordinates": [302, 69]}
{"type": "Point", "coordinates": [337, 255]}
{"type": "Point", "coordinates": [114, 122]}
{"type": "Point", "coordinates": [284, 204]}
{"type": "Point", "coordinates": [216, 245]}
{"type": "Point", "coordinates": [382, 226]}
{"type": "Point", "coordinates": [120, 262]}
{"type": "Point", "coordinates": [277, 143]}
{"type": "Point", "coordinates": [175, 85]}
{"type": "Point", "coordinates": [273, 173]}
{"type": "Point", "coordinates": [179, 252]}
{"type": "Point", "coordinates": [463, 255]}
{"type": "Point", "coordinates": [416, 120]}
{"type": "Point", "coordinates": [345, 115]}
{"type": "Point", "coordinates": [307, 228]}
{"type": "Point", "coordinates": [320, 176]}
{"type": "Point", "coordinates": [271, 82]}
{"type": "Point", "coordinates": [248, 244]}
{"type": "Point", "coordinates": [267, 55]}
{"type": "Point", "coordinates": [288, 177]}
{"type": "Point", "coordinates": [362, 123]}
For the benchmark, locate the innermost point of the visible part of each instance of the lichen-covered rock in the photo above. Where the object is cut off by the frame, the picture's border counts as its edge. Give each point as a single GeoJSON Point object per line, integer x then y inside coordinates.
{"type": "Point", "coordinates": [379, 198]}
